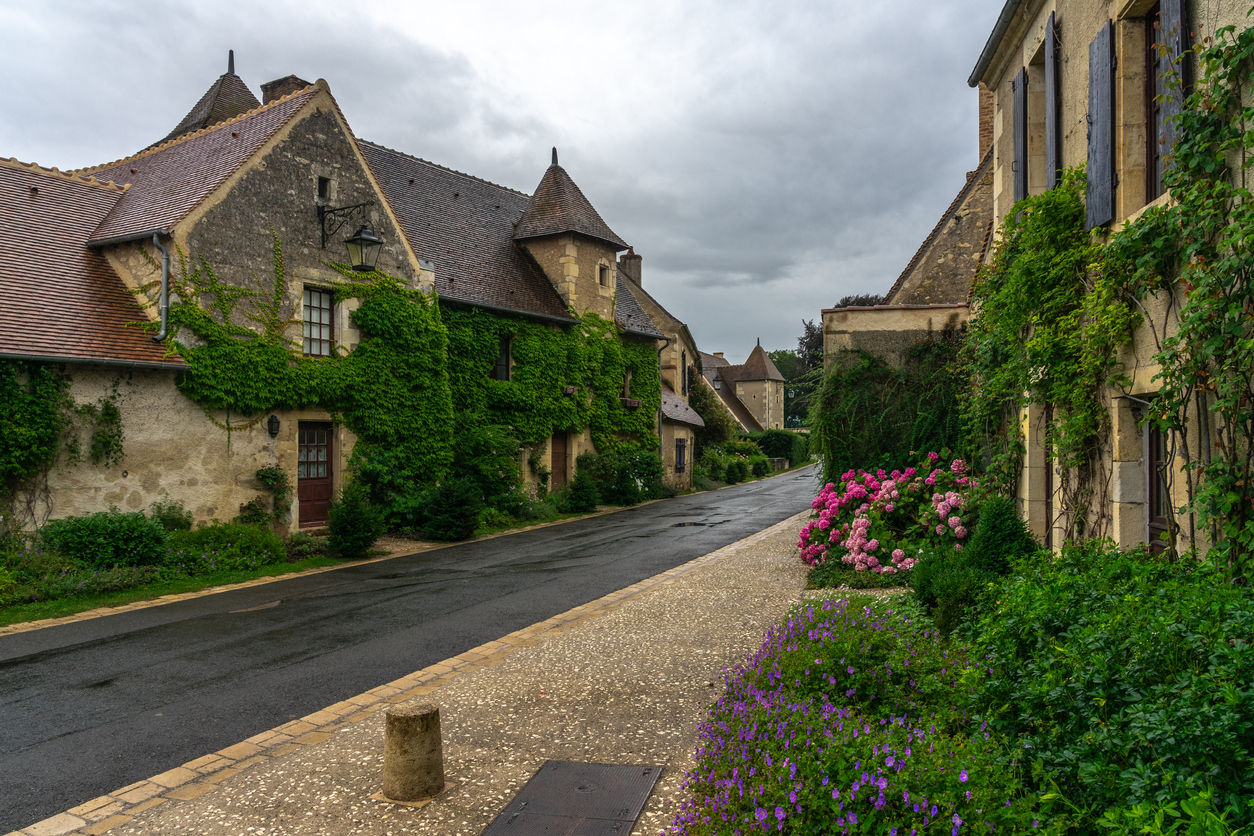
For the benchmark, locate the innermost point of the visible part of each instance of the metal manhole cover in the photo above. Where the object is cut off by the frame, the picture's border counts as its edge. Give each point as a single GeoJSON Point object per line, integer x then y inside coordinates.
{"type": "Point", "coordinates": [578, 799]}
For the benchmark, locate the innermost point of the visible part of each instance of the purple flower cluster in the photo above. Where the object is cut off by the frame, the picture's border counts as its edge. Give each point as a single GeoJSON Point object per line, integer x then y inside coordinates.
{"type": "Point", "coordinates": [880, 521]}
{"type": "Point", "coordinates": [845, 720]}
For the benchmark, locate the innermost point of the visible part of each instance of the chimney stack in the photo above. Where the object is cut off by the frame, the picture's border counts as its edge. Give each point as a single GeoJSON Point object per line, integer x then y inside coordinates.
{"type": "Point", "coordinates": [280, 87]}
{"type": "Point", "coordinates": [986, 120]}
{"type": "Point", "coordinates": [629, 263]}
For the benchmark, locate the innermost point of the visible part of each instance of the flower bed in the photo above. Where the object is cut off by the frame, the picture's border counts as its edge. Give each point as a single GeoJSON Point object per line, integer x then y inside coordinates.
{"type": "Point", "coordinates": [881, 522]}
{"type": "Point", "coordinates": [849, 719]}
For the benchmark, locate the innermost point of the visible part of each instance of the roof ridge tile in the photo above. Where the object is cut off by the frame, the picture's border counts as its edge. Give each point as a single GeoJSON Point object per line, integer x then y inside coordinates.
{"type": "Point", "coordinates": [73, 176]}
{"type": "Point", "coordinates": [194, 134]}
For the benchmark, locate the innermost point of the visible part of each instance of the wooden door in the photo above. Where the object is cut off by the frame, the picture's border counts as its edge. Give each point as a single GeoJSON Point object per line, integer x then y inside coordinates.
{"type": "Point", "coordinates": [313, 473]}
{"type": "Point", "coordinates": [558, 456]}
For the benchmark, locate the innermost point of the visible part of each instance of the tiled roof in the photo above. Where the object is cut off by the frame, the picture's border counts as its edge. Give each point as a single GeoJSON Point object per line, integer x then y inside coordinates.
{"type": "Point", "coordinates": [167, 182]}
{"type": "Point", "coordinates": [628, 313]}
{"type": "Point", "coordinates": [757, 367]}
{"type": "Point", "coordinates": [227, 98]}
{"type": "Point", "coordinates": [559, 206]}
{"type": "Point", "coordinates": [463, 225]}
{"type": "Point", "coordinates": [61, 299]}
{"type": "Point", "coordinates": [674, 408]}
{"type": "Point", "coordinates": [709, 361]}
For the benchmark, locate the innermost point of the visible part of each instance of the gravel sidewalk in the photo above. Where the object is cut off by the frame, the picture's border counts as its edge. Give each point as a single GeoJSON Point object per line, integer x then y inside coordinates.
{"type": "Point", "coordinates": [620, 680]}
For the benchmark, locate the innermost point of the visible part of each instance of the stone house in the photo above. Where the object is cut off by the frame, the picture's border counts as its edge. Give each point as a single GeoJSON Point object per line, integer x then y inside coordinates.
{"type": "Point", "coordinates": [677, 422]}
{"type": "Point", "coordinates": [80, 251]}
{"type": "Point", "coordinates": [752, 391]}
{"type": "Point", "coordinates": [1081, 81]}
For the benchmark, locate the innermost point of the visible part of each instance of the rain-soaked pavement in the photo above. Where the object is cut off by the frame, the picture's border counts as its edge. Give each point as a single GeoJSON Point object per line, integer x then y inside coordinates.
{"type": "Point", "coordinates": [88, 707]}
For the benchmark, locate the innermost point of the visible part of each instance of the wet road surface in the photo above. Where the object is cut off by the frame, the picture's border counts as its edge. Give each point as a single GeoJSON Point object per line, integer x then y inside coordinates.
{"type": "Point", "coordinates": [89, 707]}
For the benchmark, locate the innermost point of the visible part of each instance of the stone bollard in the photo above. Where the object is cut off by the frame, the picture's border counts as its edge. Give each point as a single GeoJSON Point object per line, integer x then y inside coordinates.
{"type": "Point", "coordinates": [413, 756]}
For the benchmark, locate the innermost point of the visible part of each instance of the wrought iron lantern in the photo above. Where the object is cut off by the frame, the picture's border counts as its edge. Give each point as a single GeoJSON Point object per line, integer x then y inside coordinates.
{"type": "Point", "coordinates": [363, 250]}
{"type": "Point", "coordinates": [273, 426]}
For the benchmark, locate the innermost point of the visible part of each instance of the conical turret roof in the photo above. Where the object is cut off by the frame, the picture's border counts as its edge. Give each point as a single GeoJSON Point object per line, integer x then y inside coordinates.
{"type": "Point", "coordinates": [227, 98]}
{"type": "Point", "coordinates": [559, 206]}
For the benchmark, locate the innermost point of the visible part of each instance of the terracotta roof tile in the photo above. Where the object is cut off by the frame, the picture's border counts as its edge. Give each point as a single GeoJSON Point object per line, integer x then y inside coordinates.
{"type": "Point", "coordinates": [559, 206]}
{"type": "Point", "coordinates": [168, 181]}
{"type": "Point", "coordinates": [674, 408]}
{"type": "Point", "coordinates": [227, 98]}
{"type": "Point", "coordinates": [628, 313]}
{"type": "Point", "coordinates": [463, 226]}
{"type": "Point", "coordinates": [61, 299]}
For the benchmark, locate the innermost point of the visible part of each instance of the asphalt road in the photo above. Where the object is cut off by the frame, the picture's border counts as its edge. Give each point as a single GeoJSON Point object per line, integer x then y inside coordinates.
{"type": "Point", "coordinates": [90, 707]}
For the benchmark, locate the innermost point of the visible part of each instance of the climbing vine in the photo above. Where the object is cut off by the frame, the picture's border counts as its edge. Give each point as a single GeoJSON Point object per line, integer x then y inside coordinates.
{"type": "Point", "coordinates": [1191, 261]}
{"type": "Point", "coordinates": [418, 365]}
{"type": "Point", "coordinates": [1045, 328]}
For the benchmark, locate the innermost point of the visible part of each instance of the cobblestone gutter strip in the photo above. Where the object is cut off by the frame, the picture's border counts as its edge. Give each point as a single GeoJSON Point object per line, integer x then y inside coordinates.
{"type": "Point", "coordinates": [198, 777]}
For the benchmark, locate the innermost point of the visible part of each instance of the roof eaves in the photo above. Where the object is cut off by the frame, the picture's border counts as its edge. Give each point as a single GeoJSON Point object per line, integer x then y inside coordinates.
{"type": "Point", "coordinates": [72, 176]}
{"type": "Point", "coordinates": [95, 361]}
{"type": "Point", "coordinates": [994, 42]}
{"type": "Point", "coordinates": [468, 303]}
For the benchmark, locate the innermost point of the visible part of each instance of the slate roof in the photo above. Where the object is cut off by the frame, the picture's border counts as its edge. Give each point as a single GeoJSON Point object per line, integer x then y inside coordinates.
{"type": "Point", "coordinates": [559, 206]}
{"type": "Point", "coordinates": [61, 299]}
{"type": "Point", "coordinates": [628, 313]}
{"type": "Point", "coordinates": [741, 412]}
{"type": "Point", "coordinates": [757, 367]}
{"type": "Point", "coordinates": [463, 225]}
{"type": "Point", "coordinates": [709, 361]}
{"type": "Point", "coordinates": [170, 180]}
{"type": "Point", "coordinates": [227, 98]}
{"type": "Point", "coordinates": [674, 408]}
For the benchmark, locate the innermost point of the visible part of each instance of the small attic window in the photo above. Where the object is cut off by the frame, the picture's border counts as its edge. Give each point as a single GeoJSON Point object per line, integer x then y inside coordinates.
{"type": "Point", "coordinates": [324, 187]}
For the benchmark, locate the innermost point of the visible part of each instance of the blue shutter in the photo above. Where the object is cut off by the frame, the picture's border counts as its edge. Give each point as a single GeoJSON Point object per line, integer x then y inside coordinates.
{"type": "Point", "coordinates": [1101, 156]}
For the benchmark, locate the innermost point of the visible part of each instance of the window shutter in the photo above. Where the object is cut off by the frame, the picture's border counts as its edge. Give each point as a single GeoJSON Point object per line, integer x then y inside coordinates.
{"type": "Point", "coordinates": [1020, 117]}
{"type": "Point", "coordinates": [1053, 138]}
{"type": "Point", "coordinates": [1173, 18]}
{"type": "Point", "coordinates": [1101, 155]}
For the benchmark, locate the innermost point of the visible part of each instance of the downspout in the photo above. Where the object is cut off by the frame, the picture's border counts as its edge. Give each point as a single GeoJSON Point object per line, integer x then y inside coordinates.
{"type": "Point", "coordinates": [667, 342]}
{"type": "Point", "coordinates": [165, 290]}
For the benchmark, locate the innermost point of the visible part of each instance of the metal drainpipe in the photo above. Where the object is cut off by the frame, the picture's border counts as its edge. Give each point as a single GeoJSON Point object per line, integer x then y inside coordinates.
{"type": "Point", "coordinates": [659, 388]}
{"type": "Point", "coordinates": [165, 290]}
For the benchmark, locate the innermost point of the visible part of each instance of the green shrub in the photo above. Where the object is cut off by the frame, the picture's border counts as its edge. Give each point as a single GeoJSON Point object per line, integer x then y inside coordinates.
{"type": "Point", "coordinates": [1000, 537]}
{"type": "Point", "coordinates": [1129, 679]}
{"type": "Point", "coordinates": [624, 478]}
{"type": "Point", "coordinates": [742, 447]}
{"type": "Point", "coordinates": [760, 466]}
{"type": "Point", "coordinates": [452, 510]}
{"type": "Point", "coordinates": [701, 480]}
{"type": "Point", "coordinates": [254, 512]}
{"type": "Point", "coordinates": [581, 496]}
{"type": "Point", "coordinates": [783, 444]}
{"type": "Point", "coordinates": [222, 547]}
{"type": "Point", "coordinates": [487, 456]}
{"type": "Point", "coordinates": [355, 524]}
{"type": "Point", "coordinates": [106, 538]}
{"type": "Point", "coordinates": [171, 515]}
{"type": "Point", "coordinates": [715, 465]}
{"type": "Point", "coordinates": [302, 546]}
{"type": "Point", "coordinates": [737, 470]}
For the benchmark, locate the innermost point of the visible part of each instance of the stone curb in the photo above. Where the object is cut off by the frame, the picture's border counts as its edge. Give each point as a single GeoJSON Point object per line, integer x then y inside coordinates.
{"type": "Point", "coordinates": [419, 548]}
{"type": "Point", "coordinates": [197, 777]}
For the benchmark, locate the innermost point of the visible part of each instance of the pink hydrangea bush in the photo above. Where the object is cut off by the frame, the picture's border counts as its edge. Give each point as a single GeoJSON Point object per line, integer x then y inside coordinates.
{"type": "Point", "coordinates": [880, 522]}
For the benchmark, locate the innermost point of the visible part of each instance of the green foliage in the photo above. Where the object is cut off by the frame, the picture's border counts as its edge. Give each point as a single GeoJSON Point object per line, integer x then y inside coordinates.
{"type": "Point", "coordinates": [106, 539]}
{"type": "Point", "coordinates": [1126, 679]}
{"type": "Point", "coordinates": [949, 586]}
{"type": "Point", "coordinates": [1192, 816]}
{"type": "Point", "coordinates": [736, 470]}
{"type": "Point", "coordinates": [277, 483]}
{"type": "Point", "coordinates": [783, 444]}
{"type": "Point", "coordinates": [253, 512]}
{"type": "Point", "coordinates": [222, 547]}
{"type": "Point", "coordinates": [33, 401]}
{"type": "Point", "coordinates": [834, 573]}
{"type": "Point", "coordinates": [451, 510]}
{"type": "Point", "coordinates": [743, 447]}
{"type": "Point", "coordinates": [171, 515]}
{"type": "Point", "coordinates": [1000, 537]}
{"type": "Point", "coordinates": [302, 546]}
{"type": "Point", "coordinates": [1044, 330]}
{"type": "Point", "coordinates": [868, 414]}
{"type": "Point", "coordinates": [720, 427]}
{"type": "Point", "coordinates": [622, 478]}
{"type": "Point", "coordinates": [487, 455]}
{"type": "Point", "coordinates": [355, 524]}
{"type": "Point", "coordinates": [582, 495]}
{"type": "Point", "coordinates": [760, 466]}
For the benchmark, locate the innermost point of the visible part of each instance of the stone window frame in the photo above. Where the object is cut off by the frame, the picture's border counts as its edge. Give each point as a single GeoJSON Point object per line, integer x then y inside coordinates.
{"type": "Point", "coordinates": [327, 339]}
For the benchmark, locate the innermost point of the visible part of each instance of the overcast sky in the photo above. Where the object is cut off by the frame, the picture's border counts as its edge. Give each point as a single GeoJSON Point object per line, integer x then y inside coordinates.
{"type": "Point", "coordinates": [765, 158]}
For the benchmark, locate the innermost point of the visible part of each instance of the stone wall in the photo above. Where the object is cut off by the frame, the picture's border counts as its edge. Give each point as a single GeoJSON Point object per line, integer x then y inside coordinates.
{"type": "Point", "coordinates": [887, 331]}
{"type": "Point", "coordinates": [573, 264]}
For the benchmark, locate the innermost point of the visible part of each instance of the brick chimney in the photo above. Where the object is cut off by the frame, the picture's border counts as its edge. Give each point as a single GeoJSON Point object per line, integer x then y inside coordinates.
{"type": "Point", "coordinates": [280, 87]}
{"type": "Point", "coordinates": [629, 263]}
{"type": "Point", "coordinates": [986, 119]}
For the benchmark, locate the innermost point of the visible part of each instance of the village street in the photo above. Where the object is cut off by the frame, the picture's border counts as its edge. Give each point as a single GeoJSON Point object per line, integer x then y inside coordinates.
{"type": "Point", "coordinates": [92, 706]}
